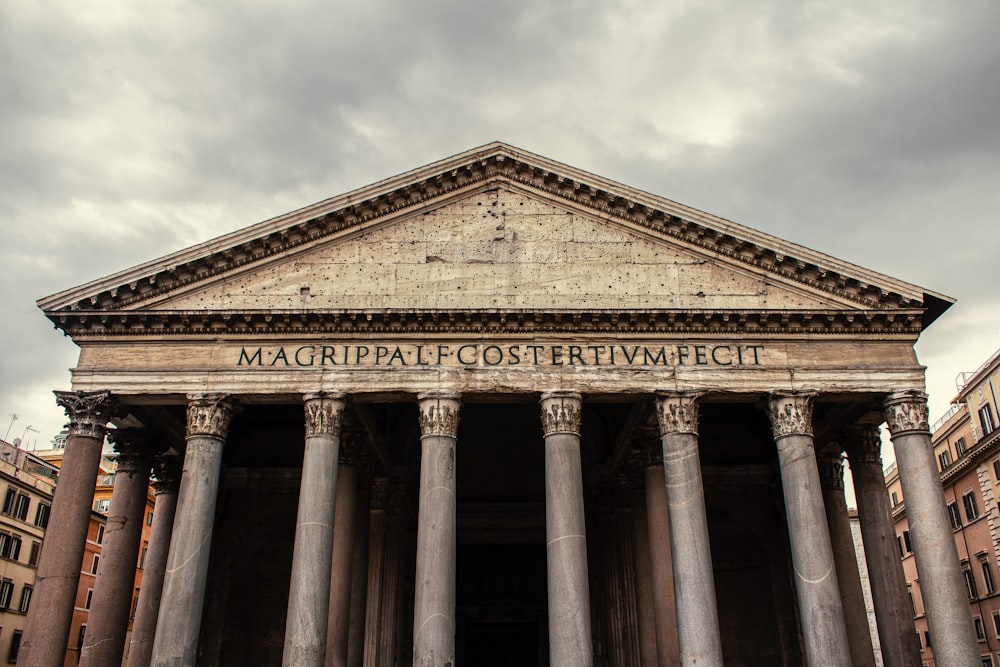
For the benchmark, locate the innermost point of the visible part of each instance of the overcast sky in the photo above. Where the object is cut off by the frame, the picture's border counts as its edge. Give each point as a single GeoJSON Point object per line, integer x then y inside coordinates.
{"type": "Point", "coordinates": [867, 130]}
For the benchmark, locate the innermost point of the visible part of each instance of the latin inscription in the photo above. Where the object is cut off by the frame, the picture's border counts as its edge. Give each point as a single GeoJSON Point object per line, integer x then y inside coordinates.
{"type": "Point", "coordinates": [486, 355]}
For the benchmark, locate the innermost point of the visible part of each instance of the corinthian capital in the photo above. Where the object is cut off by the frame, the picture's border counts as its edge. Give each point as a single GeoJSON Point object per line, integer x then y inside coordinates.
{"type": "Point", "coordinates": [88, 411]}
{"type": "Point", "coordinates": [209, 414]}
{"type": "Point", "coordinates": [439, 414]}
{"type": "Point", "coordinates": [135, 448]}
{"type": "Point", "coordinates": [677, 412]}
{"type": "Point", "coordinates": [324, 413]}
{"type": "Point", "coordinates": [791, 413]}
{"type": "Point", "coordinates": [863, 444]}
{"type": "Point", "coordinates": [561, 412]}
{"type": "Point", "coordinates": [906, 411]}
{"type": "Point", "coordinates": [831, 471]}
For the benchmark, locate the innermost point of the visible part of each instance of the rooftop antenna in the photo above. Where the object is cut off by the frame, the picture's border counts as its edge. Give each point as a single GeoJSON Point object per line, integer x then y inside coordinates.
{"type": "Point", "coordinates": [13, 418]}
{"type": "Point", "coordinates": [27, 428]}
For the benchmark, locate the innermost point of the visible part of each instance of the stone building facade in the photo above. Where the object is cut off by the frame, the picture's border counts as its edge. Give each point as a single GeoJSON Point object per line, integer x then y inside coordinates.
{"type": "Point", "coordinates": [498, 410]}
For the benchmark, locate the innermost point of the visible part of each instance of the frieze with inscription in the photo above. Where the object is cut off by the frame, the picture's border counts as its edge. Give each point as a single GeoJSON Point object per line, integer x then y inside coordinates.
{"type": "Point", "coordinates": [505, 354]}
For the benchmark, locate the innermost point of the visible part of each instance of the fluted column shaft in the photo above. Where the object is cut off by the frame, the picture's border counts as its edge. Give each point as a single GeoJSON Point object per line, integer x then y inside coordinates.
{"type": "Point", "coordinates": [434, 595]}
{"type": "Point", "coordinates": [570, 640]}
{"type": "Point", "coordinates": [941, 586]}
{"type": "Point", "coordinates": [698, 634]}
{"type": "Point", "coordinates": [309, 591]}
{"type": "Point", "coordinates": [167, 470]}
{"type": "Point", "coordinates": [58, 573]}
{"type": "Point", "coordinates": [339, 622]}
{"type": "Point", "coordinates": [831, 474]}
{"type": "Point", "coordinates": [893, 612]}
{"type": "Point", "coordinates": [107, 623]}
{"type": "Point", "coordinates": [820, 609]}
{"type": "Point", "coordinates": [178, 623]}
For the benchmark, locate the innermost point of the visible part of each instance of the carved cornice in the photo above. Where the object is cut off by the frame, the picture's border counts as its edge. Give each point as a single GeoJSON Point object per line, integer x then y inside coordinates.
{"type": "Point", "coordinates": [439, 414]}
{"type": "Point", "coordinates": [88, 411]}
{"type": "Point", "coordinates": [561, 412]}
{"type": "Point", "coordinates": [677, 412]}
{"type": "Point", "coordinates": [476, 170]}
{"type": "Point", "coordinates": [831, 471]}
{"type": "Point", "coordinates": [863, 444]}
{"type": "Point", "coordinates": [209, 414]}
{"type": "Point", "coordinates": [791, 413]}
{"type": "Point", "coordinates": [324, 413]}
{"type": "Point", "coordinates": [906, 411]}
{"type": "Point", "coordinates": [168, 323]}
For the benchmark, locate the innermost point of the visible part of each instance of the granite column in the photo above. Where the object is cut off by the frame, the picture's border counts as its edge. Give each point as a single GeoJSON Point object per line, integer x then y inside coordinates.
{"type": "Point", "coordinates": [660, 556]}
{"type": "Point", "coordinates": [893, 612]}
{"type": "Point", "coordinates": [820, 609]}
{"type": "Point", "coordinates": [945, 601]}
{"type": "Point", "coordinates": [831, 475]}
{"type": "Point", "coordinates": [107, 623]}
{"type": "Point", "coordinates": [341, 572]}
{"type": "Point", "coordinates": [58, 573]}
{"type": "Point", "coordinates": [694, 582]}
{"type": "Point", "coordinates": [434, 596]}
{"type": "Point", "coordinates": [167, 473]}
{"type": "Point", "coordinates": [570, 641]}
{"type": "Point", "coordinates": [178, 623]}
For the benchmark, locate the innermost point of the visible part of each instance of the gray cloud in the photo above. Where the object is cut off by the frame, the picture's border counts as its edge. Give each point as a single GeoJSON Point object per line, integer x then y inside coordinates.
{"type": "Point", "coordinates": [864, 130]}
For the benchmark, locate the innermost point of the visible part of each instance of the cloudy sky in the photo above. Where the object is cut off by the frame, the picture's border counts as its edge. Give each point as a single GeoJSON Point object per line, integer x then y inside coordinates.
{"type": "Point", "coordinates": [869, 130]}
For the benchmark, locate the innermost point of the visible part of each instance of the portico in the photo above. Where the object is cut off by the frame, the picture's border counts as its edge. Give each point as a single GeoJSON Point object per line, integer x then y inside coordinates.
{"type": "Point", "coordinates": [580, 422]}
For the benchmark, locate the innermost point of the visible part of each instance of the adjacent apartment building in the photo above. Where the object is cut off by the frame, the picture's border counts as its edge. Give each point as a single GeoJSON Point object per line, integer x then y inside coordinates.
{"type": "Point", "coordinates": [26, 485]}
{"type": "Point", "coordinates": [966, 443]}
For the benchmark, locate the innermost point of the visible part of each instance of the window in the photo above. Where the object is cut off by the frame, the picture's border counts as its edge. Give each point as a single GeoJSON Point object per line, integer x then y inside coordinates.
{"type": "Point", "coordinates": [970, 582]}
{"type": "Point", "coordinates": [984, 564]}
{"type": "Point", "coordinates": [927, 638]}
{"type": "Point", "coordinates": [6, 593]}
{"type": "Point", "coordinates": [906, 542]}
{"type": "Point", "coordinates": [15, 646]}
{"type": "Point", "coordinates": [79, 637]}
{"type": "Point", "coordinates": [10, 546]}
{"type": "Point", "coordinates": [21, 507]}
{"type": "Point", "coordinates": [42, 515]}
{"type": "Point", "coordinates": [986, 419]}
{"type": "Point", "coordinates": [944, 459]}
{"type": "Point", "coordinates": [960, 447]}
{"type": "Point", "coordinates": [895, 498]}
{"type": "Point", "coordinates": [142, 557]}
{"type": "Point", "coordinates": [987, 660]}
{"type": "Point", "coordinates": [954, 515]}
{"type": "Point", "coordinates": [996, 623]}
{"type": "Point", "coordinates": [95, 563]}
{"type": "Point", "coordinates": [25, 599]}
{"type": "Point", "coordinates": [90, 598]}
{"type": "Point", "coordinates": [102, 506]}
{"type": "Point", "coordinates": [980, 630]}
{"type": "Point", "coordinates": [149, 518]}
{"type": "Point", "coordinates": [971, 508]}
{"type": "Point", "coordinates": [909, 594]}
{"type": "Point", "coordinates": [9, 500]}
{"type": "Point", "coordinates": [899, 543]}
{"type": "Point", "coordinates": [100, 534]}
{"type": "Point", "coordinates": [36, 550]}
{"type": "Point", "coordinates": [135, 603]}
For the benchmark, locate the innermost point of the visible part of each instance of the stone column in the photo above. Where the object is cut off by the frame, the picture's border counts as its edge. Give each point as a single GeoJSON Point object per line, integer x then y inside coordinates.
{"type": "Point", "coordinates": [644, 577]}
{"type": "Point", "coordinates": [434, 596]}
{"type": "Point", "coordinates": [381, 607]}
{"type": "Point", "coordinates": [58, 574]}
{"type": "Point", "coordinates": [107, 623]}
{"type": "Point", "coordinates": [945, 601]}
{"type": "Point", "coordinates": [893, 613]}
{"type": "Point", "coordinates": [820, 610]}
{"type": "Point", "coordinates": [178, 623]}
{"type": "Point", "coordinates": [309, 591]}
{"type": "Point", "coordinates": [167, 470]}
{"type": "Point", "coordinates": [341, 573]}
{"type": "Point", "coordinates": [694, 581]}
{"type": "Point", "coordinates": [570, 642]}
{"type": "Point", "coordinates": [831, 475]}
{"type": "Point", "coordinates": [359, 579]}
{"type": "Point", "coordinates": [658, 529]}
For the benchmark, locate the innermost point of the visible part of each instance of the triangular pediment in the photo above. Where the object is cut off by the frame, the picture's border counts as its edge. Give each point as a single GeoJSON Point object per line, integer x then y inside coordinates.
{"type": "Point", "coordinates": [493, 229]}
